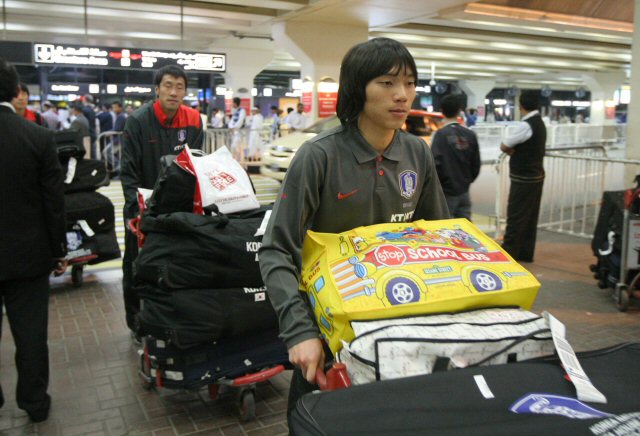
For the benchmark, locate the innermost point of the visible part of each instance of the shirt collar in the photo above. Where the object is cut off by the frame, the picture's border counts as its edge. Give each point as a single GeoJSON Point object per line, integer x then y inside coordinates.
{"type": "Point", "coordinates": [530, 114]}
{"type": "Point", "coordinates": [9, 105]}
{"type": "Point", "coordinates": [363, 151]}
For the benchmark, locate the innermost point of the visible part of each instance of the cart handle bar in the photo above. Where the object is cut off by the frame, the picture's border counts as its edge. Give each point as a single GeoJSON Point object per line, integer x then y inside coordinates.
{"type": "Point", "coordinates": [259, 376]}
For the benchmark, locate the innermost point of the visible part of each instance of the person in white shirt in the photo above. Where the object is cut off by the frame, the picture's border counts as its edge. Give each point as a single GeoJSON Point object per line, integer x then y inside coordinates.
{"type": "Point", "coordinates": [255, 142]}
{"type": "Point", "coordinates": [236, 123]}
{"type": "Point", "coordinates": [297, 120]}
{"type": "Point", "coordinates": [217, 119]}
{"type": "Point", "coordinates": [526, 148]}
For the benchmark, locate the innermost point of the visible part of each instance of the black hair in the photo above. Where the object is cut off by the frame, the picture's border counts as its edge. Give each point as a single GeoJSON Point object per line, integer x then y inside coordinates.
{"type": "Point", "coordinates": [77, 105]}
{"type": "Point", "coordinates": [530, 100]}
{"type": "Point", "coordinates": [237, 100]}
{"type": "Point", "coordinates": [274, 107]}
{"type": "Point", "coordinates": [9, 80]}
{"type": "Point", "coordinates": [289, 110]}
{"type": "Point", "coordinates": [118, 102]}
{"type": "Point", "coordinates": [169, 70]}
{"type": "Point", "coordinates": [450, 106]}
{"type": "Point", "coordinates": [363, 63]}
{"type": "Point", "coordinates": [24, 88]}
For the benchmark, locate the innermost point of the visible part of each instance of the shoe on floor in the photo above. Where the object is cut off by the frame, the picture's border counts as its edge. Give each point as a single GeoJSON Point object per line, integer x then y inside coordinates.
{"type": "Point", "coordinates": [40, 414]}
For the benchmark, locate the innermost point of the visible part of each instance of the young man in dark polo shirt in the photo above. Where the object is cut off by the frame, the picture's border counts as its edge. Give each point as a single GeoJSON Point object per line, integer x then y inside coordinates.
{"type": "Point", "coordinates": [156, 129]}
{"type": "Point", "coordinates": [366, 171]}
{"type": "Point", "coordinates": [526, 146]}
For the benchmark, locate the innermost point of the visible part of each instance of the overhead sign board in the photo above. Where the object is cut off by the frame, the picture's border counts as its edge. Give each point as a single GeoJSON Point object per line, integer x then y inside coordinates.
{"type": "Point", "coordinates": [127, 58]}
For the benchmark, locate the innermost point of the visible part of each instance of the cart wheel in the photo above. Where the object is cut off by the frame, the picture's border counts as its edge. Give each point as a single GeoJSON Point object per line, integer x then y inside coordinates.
{"type": "Point", "coordinates": [622, 298]}
{"type": "Point", "coordinates": [247, 405]}
{"type": "Point", "coordinates": [76, 275]}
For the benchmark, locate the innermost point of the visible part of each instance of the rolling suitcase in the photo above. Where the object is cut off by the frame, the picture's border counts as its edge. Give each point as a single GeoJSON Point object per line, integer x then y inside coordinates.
{"type": "Point", "coordinates": [527, 398]}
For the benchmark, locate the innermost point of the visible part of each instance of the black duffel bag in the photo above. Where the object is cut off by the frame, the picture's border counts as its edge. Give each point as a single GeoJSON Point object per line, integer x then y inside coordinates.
{"type": "Point", "coordinates": [193, 316]}
{"type": "Point", "coordinates": [186, 251]}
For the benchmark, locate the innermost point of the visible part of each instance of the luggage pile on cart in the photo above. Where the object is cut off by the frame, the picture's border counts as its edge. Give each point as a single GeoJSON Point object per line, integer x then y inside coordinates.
{"type": "Point", "coordinates": [616, 245]}
{"type": "Point", "coordinates": [206, 319]}
{"type": "Point", "coordinates": [91, 235]}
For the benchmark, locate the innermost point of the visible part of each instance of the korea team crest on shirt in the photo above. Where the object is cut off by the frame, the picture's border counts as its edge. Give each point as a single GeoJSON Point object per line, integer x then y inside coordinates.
{"type": "Point", "coordinates": [408, 183]}
{"type": "Point", "coordinates": [182, 135]}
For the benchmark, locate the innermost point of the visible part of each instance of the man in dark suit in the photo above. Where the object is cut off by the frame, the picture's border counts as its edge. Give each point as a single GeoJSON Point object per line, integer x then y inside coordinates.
{"type": "Point", "coordinates": [32, 242]}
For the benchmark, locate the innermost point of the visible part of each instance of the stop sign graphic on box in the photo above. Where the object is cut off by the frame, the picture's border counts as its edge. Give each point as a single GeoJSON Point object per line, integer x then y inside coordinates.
{"type": "Point", "coordinates": [390, 255]}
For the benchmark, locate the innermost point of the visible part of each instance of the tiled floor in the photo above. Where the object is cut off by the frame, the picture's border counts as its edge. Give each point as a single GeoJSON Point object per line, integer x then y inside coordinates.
{"type": "Point", "coordinates": [96, 390]}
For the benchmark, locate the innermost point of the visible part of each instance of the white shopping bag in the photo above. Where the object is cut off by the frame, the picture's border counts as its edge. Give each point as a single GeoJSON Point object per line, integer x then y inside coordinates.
{"type": "Point", "coordinates": [220, 181]}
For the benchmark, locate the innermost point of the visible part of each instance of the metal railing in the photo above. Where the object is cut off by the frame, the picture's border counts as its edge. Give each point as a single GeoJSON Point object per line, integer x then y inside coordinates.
{"type": "Point", "coordinates": [490, 136]}
{"type": "Point", "coordinates": [110, 146]}
{"type": "Point", "coordinates": [575, 179]}
{"type": "Point", "coordinates": [230, 138]}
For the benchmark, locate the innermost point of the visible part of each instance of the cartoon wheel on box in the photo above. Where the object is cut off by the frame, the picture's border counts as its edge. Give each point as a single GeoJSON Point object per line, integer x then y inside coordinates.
{"type": "Point", "coordinates": [400, 287]}
{"type": "Point", "coordinates": [482, 280]}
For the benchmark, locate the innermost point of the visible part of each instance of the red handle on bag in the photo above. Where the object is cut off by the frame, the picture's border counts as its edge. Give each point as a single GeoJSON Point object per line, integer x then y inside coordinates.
{"type": "Point", "coordinates": [337, 377]}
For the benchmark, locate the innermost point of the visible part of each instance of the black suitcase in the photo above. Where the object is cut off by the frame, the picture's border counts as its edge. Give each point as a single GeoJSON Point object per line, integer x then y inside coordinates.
{"type": "Point", "coordinates": [92, 207]}
{"type": "Point", "coordinates": [184, 251]}
{"type": "Point", "coordinates": [453, 403]}
{"type": "Point", "coordinates": [191, 316]}
{"type": "Point", "coordinates": [205, 364]}
{"type": "Point", "coordinates": [89, 175]}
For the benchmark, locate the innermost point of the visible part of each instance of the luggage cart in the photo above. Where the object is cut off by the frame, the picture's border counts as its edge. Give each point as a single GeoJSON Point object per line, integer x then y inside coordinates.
{"type": "Point", "coordinates": [625, 289]}
{"type": "Point", "coordinates": [77, 265]}
{"type": "Point", "coordinates": [230, 367]}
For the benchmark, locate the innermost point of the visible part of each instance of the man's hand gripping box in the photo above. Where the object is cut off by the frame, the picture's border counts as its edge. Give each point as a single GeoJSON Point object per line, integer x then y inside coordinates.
{"type": "Point", "coordinates": [400, 269]}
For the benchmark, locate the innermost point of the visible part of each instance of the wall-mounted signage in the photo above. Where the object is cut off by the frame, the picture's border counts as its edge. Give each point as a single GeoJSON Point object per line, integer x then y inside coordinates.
{"type": "Point", "coordinates": [111, 88]}
{"type": "Point", "coordinates": [108, 57]}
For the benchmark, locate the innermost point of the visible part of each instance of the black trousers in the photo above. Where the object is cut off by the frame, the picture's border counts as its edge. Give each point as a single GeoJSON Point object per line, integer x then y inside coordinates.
{"type": "Point", "coordinates": [131, 299]}
{"type": "Point", "coordinates": [27, 304]}
{"type": "Point", "coordinates": [522, 220]}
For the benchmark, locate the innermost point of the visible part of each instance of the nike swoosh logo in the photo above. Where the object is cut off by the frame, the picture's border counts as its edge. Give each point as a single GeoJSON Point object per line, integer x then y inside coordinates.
{"type": "Point", "coordinates": [342, 196]}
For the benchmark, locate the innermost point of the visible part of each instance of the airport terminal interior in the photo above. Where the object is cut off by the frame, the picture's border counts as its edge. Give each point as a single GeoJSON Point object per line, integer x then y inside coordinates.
{"type": "Point", "coordinates": [581, 58]}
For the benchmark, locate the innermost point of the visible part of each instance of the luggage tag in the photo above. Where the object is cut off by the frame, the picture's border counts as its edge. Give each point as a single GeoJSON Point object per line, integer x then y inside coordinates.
{"type": "Point", "coordinates": [71, 170]}
{"type": "Point", "coordinates": [584, 388]}
{"type": "Point", "coordinates": [263, 224]}
{"type": "Point", "coordinates": [86, 228]}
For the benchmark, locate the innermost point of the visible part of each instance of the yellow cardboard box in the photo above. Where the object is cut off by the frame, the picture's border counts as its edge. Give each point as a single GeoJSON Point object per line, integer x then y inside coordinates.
{"type": "Point", "coordinates": [399, 269]}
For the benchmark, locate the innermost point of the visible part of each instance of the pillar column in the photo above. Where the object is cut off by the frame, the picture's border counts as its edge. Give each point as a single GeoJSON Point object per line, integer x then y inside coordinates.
{"type": "Point", "coordinates": [245, 60]}
{"type": "Point", "coordinates": [602, 87]}
{"type": "Point", "coordinates": [633, 110]}
{"type": "Point", "coordinates": [476, 91]}
{"type": "Point", "coordinates": [320, 57]}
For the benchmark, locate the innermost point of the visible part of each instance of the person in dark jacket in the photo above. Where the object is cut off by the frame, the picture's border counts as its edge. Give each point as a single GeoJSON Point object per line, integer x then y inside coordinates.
{"type": "Point", "coordinates": [32, 242]}
{"type": "Point", "coordinates": [526, 146]}
{"type": "Point", "coordinates": [154, 130]}
{"type": "Point", "coordinates": [457, 155]}
{"type": "Point", "coordinates": [88, 110]}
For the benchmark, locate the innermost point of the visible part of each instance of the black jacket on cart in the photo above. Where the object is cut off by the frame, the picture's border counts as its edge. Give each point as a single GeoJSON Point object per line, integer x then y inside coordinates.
{"type": "Point", "coordinates": [32, 215]}
{"type": "Point", "coordinates": [148, 137]}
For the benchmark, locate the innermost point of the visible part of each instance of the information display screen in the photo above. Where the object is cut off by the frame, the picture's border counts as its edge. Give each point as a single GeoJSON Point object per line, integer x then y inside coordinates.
{"type": "Point", "coordinates": [126, 58]}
